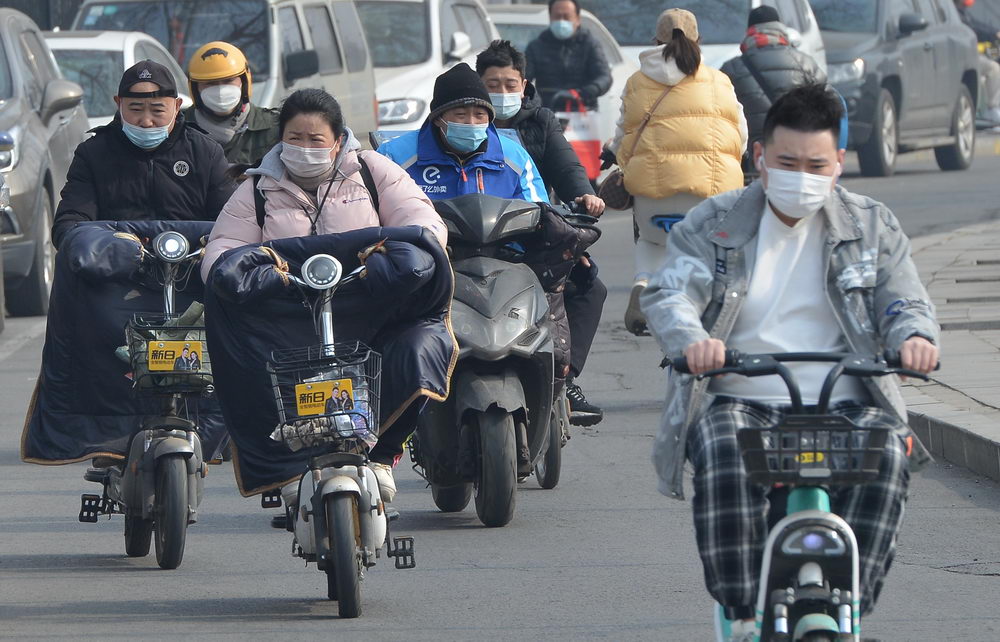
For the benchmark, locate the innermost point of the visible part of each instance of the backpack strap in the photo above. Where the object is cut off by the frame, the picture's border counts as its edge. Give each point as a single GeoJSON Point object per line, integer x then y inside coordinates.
{"type": "Point", "coordinates": [258, 202]}
{"type": "Point", "coordinates": [369, 181]}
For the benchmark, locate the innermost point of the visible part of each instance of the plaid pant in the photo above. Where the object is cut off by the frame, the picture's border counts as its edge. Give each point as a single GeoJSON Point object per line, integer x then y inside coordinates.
{"type": "Point", "coordinates": [730, 513]}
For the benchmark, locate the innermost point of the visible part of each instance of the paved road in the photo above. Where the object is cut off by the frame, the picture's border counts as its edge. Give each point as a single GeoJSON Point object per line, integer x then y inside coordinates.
{"type": "Point", "coordinates": [603, 556]}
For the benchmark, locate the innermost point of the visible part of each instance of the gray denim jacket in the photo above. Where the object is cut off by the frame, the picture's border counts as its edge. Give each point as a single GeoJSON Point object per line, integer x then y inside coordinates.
{"type": "Point", "coordinates": [871, 282]}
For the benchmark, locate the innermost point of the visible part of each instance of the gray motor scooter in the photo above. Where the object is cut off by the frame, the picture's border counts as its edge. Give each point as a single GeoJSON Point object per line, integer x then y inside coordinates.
{"type": "Point", "coordinates": [159, 485]}
{"type": "Point", "coordinates": [506, 415]}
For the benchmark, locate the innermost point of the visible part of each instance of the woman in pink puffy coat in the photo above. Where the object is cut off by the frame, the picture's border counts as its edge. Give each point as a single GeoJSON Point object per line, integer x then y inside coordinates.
{"type": "Point", "coordinates": [312, 183]}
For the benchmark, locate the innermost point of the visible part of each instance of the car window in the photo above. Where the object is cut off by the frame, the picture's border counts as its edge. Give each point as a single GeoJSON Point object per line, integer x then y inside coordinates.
{"type": "Point", "coordinates": [398, 33]}
{"type": "Point", "coordinates": [788, 13]}
{"type": "Point", "coordinates": [36, 77]}
{"type": "Point", "coordinates": [349, 26]}
{"type": "Point", "coordinates": [291, 34]}
{"type": "Point", "coordinates": [519, 34]}
{"type": "Point", "coordinates": [6, 81]}
{"type": "Point", "coordinates": [98, 72]}
{"type": "Point", "coordinates": [633, 22]}
{"type": "Point", "coordinates": [846, 16]}
{"type": "Point", "coordinates": [474, 24]}
{"type": "Point", "coordinates": [324, 40]}
{"type": "Point", "coordinates": [449, 24]}
{"type": "Point", "coordinates": [805, 14]}
{"type": "Point", "coordinates": [183, 26]}
{"type": "Point", "coordinates": [610, 48]}
{"type": "Point", "coordinates": [156, 55]}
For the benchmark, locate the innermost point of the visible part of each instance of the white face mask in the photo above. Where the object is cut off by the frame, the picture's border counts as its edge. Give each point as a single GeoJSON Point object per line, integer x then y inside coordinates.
{"type": "Point", "coordinates": [306, 162]}
{"type": "Point", "coordinates": [797, 194]}
{"type": "Point", "coordinates": [222, 99]}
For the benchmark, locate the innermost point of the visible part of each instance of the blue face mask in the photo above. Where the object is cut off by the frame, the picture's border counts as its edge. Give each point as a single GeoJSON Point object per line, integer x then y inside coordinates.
{"type": "Point", "coordinates": [465, 138]}
{"type": "Point", "coordinates": [506, 105]}
{"type": "Point", "coordinates": [561, 29]}
{"type": "Point", "coordinates": [146, 138]}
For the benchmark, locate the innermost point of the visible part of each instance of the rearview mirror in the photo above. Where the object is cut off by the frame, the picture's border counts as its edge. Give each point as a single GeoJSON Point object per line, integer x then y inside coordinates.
{"type": "Point", "coordinates": [6, 142]}
{"type": "Point", "coordinates": [794, 37]}
{"type": "Point", "coordinates": [910, 23]}
{"type": "Point", "coordinates": [60, 95]}
{"type": "Point", "coordinates": [300, 64]}
{"type": "Point", "coordinates": [461, 46]}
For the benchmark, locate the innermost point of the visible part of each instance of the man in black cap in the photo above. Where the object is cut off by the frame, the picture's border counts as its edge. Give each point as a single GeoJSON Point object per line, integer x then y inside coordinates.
{"type": "Point", "coordinates": [458, 150]}
{"type": "Point", "coordinates": [146, 163]}
{"type": "Point", "coordinates": [768, 68]}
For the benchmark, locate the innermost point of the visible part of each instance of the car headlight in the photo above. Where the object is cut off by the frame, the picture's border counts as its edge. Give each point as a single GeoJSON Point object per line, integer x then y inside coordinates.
{"type": "Point", "coordinates": [8, 160]}
{"type": "Point", "coordinates": [845, 71]}
{"type": "Point", "coordinates": [404, 110]}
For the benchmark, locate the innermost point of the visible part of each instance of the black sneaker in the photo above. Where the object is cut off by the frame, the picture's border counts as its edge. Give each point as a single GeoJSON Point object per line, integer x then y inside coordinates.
{"type": "Point", "coordinates": [581, 412]}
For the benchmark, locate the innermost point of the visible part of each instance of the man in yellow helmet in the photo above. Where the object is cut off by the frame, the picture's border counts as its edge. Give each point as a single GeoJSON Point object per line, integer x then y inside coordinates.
{"type": "Point", "coordinates": [221, 86]}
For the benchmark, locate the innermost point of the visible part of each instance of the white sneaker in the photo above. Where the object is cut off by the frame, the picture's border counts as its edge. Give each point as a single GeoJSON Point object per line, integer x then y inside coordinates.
{"type": "Point", "coordinates": [734, 630]}
{"type": "Point", "coordinates": [386, 484]}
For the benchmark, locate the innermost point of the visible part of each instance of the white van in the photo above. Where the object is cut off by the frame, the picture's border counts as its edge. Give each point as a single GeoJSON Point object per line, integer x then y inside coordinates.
{"type": "Point", "coordinates": [722, 25]}
{"type": "Point", "coordinates": [291, 44]}
{"type": "Point", "coordinates": [415, 41]}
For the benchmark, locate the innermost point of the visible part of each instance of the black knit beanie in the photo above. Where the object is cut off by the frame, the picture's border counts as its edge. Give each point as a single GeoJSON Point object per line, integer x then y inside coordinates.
{"type": "Point", "coordinates": [763, 14]}
{"type": "Point", "coordinates": [459, 86]}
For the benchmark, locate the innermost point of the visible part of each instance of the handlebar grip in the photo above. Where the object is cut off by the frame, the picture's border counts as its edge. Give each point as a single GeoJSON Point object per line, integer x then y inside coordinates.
{"type": "Point", "coordinates": [894, 360]}
{"type": "Point", "coordinates": [680, 364]}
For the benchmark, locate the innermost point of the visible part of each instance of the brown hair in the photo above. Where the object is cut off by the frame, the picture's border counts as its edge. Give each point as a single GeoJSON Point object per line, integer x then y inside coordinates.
{"type": "Point", "coordinates": [684, 51]}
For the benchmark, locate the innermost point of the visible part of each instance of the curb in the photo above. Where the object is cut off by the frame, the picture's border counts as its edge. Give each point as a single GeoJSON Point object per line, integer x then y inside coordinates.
{"type": "Point", "coordinates": [959, 446]}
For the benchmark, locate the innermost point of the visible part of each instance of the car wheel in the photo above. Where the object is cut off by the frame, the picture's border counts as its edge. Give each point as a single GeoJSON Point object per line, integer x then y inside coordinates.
{"type": "Point", "coordinates": [959, 154]}
{"type": "Point", "coordinates": [877, 157]}
{"type": "Point", "coordinates": [31, 296]}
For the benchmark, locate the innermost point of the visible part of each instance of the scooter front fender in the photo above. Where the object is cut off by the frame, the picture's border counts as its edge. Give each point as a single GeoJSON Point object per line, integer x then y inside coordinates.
{"type": "Point", "coordinates": [480, 391]}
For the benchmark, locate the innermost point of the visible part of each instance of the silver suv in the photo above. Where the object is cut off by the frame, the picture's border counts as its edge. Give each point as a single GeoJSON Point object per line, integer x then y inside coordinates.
{"type": "Point", "coordinates": [42, 113]}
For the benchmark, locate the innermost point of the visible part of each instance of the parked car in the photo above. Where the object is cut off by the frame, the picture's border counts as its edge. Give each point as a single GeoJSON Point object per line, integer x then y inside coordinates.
{"type": "Point", "coordinates": [909, 72]}
{"type": "Point", "coordinates": [523, 23]}
{"type": "Point", "coordinates": [291, 44]}
{"type": "Point", "coordinates": [413, 42]}
{"type": "Point", "coordinates": [95, 60]}
{"type": "Point", "coordinates": [43, 113]}
{"type": "Point", "coordinates": [721, 24]}
{"type": "Point", "coordinates": [6, 145]}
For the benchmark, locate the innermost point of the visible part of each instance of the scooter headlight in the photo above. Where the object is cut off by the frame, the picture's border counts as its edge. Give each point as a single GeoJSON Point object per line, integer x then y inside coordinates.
{"type": "Point", "coordinates": [321, 272]}
{"type": "Point", "coordinates": [171, 247]}
{"type": "Point", "coordinates": [814, 540]}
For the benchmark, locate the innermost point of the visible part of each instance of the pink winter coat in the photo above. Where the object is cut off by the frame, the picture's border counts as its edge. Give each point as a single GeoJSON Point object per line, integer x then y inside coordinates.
{"type": "Point", "coordinates": [289, 210]}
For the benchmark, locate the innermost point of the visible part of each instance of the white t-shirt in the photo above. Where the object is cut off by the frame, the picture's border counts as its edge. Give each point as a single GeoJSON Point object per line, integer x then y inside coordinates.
{"type": "Point", "coordinates": [786, 309]}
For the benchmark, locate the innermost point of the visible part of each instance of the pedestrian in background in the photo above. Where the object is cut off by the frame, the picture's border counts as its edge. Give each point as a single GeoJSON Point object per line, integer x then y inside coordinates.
{"type": "Point", "coordinates": [679, 140]}
{"type": "Point", "coordinates": [767, 68]}
{"type": "Point", "coordinates": [566, 58]}
{"type": "Point", "coordinates": [989, 69]}
{"type": "Point", "coordinates": [502, 68]}
{"type": "Point", "coordinates": [221, 86]}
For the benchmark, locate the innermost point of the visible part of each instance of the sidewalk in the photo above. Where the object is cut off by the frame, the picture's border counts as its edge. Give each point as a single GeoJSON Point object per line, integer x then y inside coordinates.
{"type": "Point", "coordinates": [957, 414]}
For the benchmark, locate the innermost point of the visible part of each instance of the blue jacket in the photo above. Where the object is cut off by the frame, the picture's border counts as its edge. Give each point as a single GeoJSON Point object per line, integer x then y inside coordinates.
{"type": "Point", "coordinates": [505, 169]}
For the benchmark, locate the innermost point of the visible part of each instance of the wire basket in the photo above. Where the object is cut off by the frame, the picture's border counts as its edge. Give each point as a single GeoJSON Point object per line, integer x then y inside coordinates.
{"type": "Point", "coordinates": [806, 449]}
{"type": "Point", "coordinates": [167, 358]}
{"type": "Point", "coordinates": [326, 394]}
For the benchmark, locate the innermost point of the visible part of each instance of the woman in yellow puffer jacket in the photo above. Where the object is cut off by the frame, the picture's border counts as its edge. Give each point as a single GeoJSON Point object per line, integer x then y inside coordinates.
{"type": "Point", "coordinates": [689, 150]}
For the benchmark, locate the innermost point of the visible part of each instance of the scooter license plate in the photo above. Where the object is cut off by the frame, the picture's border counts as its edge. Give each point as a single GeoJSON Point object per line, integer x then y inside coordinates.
{"type": "Point", "coordinates": [174, 356]}
{"type": "Point", "coordinates": [324, 397]}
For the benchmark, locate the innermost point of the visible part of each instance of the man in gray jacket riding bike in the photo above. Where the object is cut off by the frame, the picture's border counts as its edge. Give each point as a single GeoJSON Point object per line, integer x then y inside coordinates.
{"type": "Point", "coordinates": [791, 263]}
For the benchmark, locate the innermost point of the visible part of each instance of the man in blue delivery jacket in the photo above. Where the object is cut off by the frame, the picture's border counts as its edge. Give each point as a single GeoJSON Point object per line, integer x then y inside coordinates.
{"type": "Point", "coordinates": [458, 150]}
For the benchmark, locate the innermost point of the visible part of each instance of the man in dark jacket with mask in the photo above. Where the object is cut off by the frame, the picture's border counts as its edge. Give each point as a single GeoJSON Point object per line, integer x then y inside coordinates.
{"type": "Point", "coordinates": [518, 107]}
{"type": "Point", "coordinates": [146, 163]}
{"type": "Point", "coordinates": [768, 67]}
{"type": "Point", "coordinates": [566, 58]}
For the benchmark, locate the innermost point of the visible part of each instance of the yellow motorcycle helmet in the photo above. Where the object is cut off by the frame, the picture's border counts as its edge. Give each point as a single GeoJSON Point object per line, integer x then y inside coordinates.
{"type": "Point", "coordinates": [217, 61]}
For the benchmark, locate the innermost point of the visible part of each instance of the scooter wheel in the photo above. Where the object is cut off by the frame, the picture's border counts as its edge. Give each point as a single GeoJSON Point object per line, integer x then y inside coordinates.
{"type": "Point", "coordinates": [451, 499]}
{"type": "Point", "coordinates": [497, 483]}
{"type": "Point", "coordinates": [138, 535]}
{"type": "Point", "coordinates": [171, 510]}
{"type": "Point", "coordinates": [549, 467]}
{"type": "Point", "coordinates": [343, 580]}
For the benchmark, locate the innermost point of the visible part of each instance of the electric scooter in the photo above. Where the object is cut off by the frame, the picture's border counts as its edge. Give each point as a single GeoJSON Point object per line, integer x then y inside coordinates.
{"type": "Point", "coordinates": [158, 487]}
{"type": "Point", "coordinates": [809, 580]}
{"type": "Point", "coordinates": [328, 402]}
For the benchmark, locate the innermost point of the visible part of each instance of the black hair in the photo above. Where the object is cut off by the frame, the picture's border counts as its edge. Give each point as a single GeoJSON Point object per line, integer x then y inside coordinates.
{"type": "Point", "coordinates": [312, 101]}
{"type": "Point", "coordinates": [685, 52]}
{"type": "Point", "coordinates": [575, 4]}
{"type": "Point", "coordinates": [809, 108]}
{"type": "Point", "coordinates": [501, 53]}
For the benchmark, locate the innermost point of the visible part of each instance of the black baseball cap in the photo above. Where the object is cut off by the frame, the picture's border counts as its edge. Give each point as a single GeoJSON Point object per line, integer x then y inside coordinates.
{"type": "Point", "coordinates": [147, 71]}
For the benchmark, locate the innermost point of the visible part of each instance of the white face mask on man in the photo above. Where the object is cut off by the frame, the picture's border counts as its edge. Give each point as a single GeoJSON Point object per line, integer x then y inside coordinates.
{"type": "Point", "coordinates": [796, 194]}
